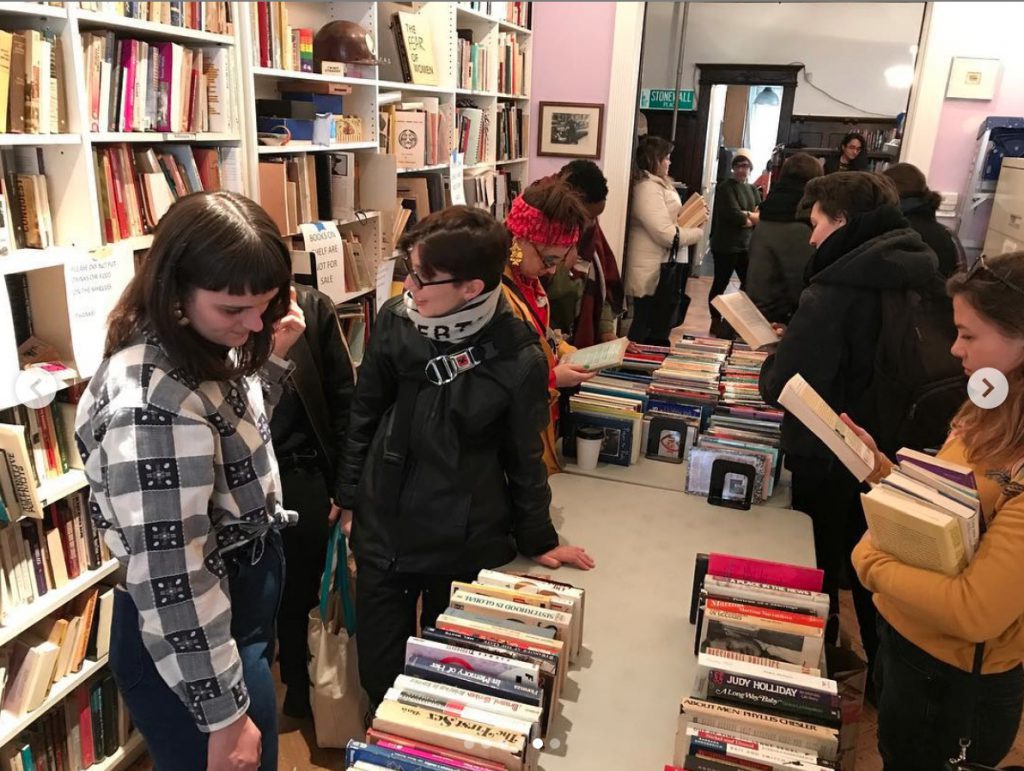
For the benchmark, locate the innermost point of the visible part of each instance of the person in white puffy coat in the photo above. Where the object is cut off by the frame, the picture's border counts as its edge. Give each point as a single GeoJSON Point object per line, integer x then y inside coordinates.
{"type": "Point", "coordinates": [652, 231]}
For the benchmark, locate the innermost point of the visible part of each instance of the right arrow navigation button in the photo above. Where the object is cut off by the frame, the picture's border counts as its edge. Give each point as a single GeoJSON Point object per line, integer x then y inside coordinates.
{"type": "Point", "coordinates": [988, 388]}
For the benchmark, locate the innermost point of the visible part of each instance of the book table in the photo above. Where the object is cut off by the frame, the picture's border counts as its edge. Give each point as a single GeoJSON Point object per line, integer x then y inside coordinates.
{"type": "Point", "coordinates": [620, 705]}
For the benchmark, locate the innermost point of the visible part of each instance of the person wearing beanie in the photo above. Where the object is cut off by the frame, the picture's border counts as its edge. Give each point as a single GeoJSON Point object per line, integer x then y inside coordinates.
{"type": "Point", "coordinates": [733, 220]}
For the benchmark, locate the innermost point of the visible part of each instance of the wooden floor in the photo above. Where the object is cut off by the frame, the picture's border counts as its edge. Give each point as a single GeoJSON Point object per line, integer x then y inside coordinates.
{"type": "Point", "coordinates": [298, 750]}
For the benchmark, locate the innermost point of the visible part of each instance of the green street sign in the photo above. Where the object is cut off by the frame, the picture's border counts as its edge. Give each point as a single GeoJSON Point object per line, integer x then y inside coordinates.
{"type": "Point", "coordinates": [661, 99]}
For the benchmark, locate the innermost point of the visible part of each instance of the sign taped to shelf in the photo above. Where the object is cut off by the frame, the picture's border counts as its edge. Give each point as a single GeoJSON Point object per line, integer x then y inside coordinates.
{"type": "Point", "coordinates": [661, 99]}
{"type": "Point", "coordinates": [93, 283]}
{"type": "Point", "coordinates": [458, 185]}
{"type": "Point", "coordinates": [385, 275]}
{"type": "Point", "coordinates": [332, 68]}
{"type": "Point", "coordinates": [181, 136]}
{"type": "Point", "coordinates": [323, 260]}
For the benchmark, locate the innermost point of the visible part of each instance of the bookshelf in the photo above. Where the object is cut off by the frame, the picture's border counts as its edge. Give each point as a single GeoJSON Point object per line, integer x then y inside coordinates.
{"type": "Point", "coordinates": [73, 159]}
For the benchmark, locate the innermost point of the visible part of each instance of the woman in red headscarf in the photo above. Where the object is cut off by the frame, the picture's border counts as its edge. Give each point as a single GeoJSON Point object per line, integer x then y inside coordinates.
{"type": "Point", "coordinates": [545, 223]}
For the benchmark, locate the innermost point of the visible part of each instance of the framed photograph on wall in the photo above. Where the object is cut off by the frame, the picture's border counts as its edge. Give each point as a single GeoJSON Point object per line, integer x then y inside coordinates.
{"type": "Point", "coordinates": [570, 129]}
{"type": "Point", "coordinates": [972, 78]}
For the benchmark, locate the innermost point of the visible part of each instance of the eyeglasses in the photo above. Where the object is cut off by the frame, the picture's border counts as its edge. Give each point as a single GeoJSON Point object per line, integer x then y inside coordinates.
{"type": "Point", "coordinates": [420, 283]}
{"type": "Point", "coordinates": [980, 265]}
{"type": "Point", "coordinates": [549, 260]}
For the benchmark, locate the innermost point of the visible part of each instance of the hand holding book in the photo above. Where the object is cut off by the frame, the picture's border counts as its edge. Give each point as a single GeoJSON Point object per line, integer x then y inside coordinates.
{"type": "Point", "coordinates": [883, 466]}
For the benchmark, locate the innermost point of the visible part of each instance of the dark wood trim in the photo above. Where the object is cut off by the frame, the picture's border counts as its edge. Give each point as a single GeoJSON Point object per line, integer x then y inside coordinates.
{"type": "Point", "coordinates": [784, 75]}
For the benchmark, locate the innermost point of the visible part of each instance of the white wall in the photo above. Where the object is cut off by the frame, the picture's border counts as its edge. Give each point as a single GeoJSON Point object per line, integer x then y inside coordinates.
{"type": "Point", "coordinates": [846, 47]}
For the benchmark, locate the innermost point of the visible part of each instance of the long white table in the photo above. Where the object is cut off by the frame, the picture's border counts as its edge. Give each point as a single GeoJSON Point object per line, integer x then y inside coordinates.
{"type": "Point", "coordinates": [620, 705]}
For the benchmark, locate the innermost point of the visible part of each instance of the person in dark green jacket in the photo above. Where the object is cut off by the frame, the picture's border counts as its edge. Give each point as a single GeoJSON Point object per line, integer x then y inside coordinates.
{"type": "Point", "coordinates": [733, 220]}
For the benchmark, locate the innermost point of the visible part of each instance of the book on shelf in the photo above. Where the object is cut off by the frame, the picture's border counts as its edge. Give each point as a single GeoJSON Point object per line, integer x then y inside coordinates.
{"type": "Point", "coordinates": [472, 127]}
{"type": "Point", "coordinates": [33, 82]}
{"type": "Point", "coordinates": [158, 86]}
{"type": "Point", "coordinates": [473, 61]}
{"type": "Point", "coordinates": [745, 317]}
{"type": "Point", "coordinates": [512, 132]}
{"type": "Point", "coordinates": [512, 75]}
{"type": "Point", "coordinates": [214, 17]}
{"type": "Point", "coordinates": [275, 42]}
{"type": "Point", "coordinates": [415, 42]}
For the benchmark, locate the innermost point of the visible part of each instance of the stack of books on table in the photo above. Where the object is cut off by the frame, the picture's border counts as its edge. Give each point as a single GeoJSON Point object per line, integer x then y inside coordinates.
{"type": "Point", "coordinates": [740, 375]}
{"type": "Point", "coordinates": [618, 411]}
{"type": "Point", "coordinates": [926, 512]}
{"type": "Point", "coordinates": [760, 697]}
{"type": "Point", "coordinates": [687, 381]}
{"type": "Point", "coordinates": [481, 687]}
{"type": "Point", "coordinates": [744, 435]}
{"type": "Point", "coordinates": [645, 358]}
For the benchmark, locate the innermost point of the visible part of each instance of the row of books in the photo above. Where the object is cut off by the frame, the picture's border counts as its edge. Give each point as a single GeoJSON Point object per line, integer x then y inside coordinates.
{"type": "Point", "coordinates": [33, 84]}
{"type": "Point", "coordinates": [761, 697]}
{"type": "Point", "coordinates": [275, 42]}
{"type": "Point", "coordinates": [514, 12]}
{"type": "Point", "coordinates": [47, 434]}
{"type": "Point", "coordinates": [86, 728]}
{"type": "Point", "coordinates": [926, 512]}
{"type": "Point", "coordinates": [481, 687]}
{"type": "Point", "coordinates": [38, 556]}
{"type": "Point", "coordinates": [307, 187]}
{"type": "Point", "coordinates": [491, 189]}
{"type": "Point", "coordinates": [512, 132]}
{"type": "Point", "coordinates": [137, 185]}
{"type": "Point", "coordinates": [511, 65]}
{"type": "Point", "coordinates": [27, 216]}
{"type": "Point", "coordinates": [215, 17]}
{"type": "Point", "coordinates": [417, 132]}
{"type": "Point", "coordinates": [474, 62]}
{"type": "Point", "coordinates": [55, 648]}
{"type": "Point", "coordinates": [357, 318]}
{"type": "Point", "coordinates": [138, 85]}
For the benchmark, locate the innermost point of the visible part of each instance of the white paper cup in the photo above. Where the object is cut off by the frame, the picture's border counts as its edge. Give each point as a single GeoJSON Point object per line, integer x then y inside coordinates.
{"type": "Point", "coordinates": [588, 447]}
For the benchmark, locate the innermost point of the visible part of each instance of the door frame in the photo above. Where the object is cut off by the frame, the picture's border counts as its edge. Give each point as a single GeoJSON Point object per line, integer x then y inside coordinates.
{"type": "Point", "coordinates": [785, 75]}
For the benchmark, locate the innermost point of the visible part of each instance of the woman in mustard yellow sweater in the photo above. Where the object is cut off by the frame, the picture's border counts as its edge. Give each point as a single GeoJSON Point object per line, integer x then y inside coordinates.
{"type": "Point", "coordinates": [932, 626]}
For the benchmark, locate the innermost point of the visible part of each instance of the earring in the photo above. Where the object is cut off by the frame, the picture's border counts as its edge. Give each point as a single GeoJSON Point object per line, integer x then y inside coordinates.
{"type": "Point", "coordinates": [179, 315]}
{"type": "Point", "coordinates": [515, 255]}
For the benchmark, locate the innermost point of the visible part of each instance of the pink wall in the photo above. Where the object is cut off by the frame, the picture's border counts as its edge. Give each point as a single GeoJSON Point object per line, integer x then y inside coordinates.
{"type": "Point", "coordinates": [572, 56]}
{"type": "Point", "coordinates": [984, 30]}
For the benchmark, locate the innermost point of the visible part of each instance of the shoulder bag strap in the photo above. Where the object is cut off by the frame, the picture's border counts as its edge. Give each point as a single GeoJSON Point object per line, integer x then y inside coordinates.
{"type": "Point", "coordinates": [969, 714]}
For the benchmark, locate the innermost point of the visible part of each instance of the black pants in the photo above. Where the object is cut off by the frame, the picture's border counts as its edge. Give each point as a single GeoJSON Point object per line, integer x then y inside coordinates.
{"type": "Point", "coordinates": [386, 609]}
{"type": "Point", "coordinates": [725, 264]}
{"type": "Point", "coordinates": [924, 706]}
{"type": "Point", "coordinates": [305, 548]}
{"type": "Point", "coordinates": [830, 496]}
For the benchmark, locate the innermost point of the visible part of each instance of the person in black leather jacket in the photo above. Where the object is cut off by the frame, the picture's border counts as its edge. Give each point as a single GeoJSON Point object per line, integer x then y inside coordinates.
{"type": "Point", "coordinates": [443, 472]}
{"type": "Point", "coordinates": [864, 247]}
{"type": "Point", "coordinates": [308, 430]}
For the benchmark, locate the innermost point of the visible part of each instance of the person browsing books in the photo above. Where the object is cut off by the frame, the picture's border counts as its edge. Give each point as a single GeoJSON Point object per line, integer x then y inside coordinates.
{"type": "Point", "coordinates": [544, 224]}
{"type": "Point", "coordinates": [443, 466]}
{"type": "Point", "coordinates": [864, 248]}
{"type": "Point", "coordinates": [174, 433]}
{"type": "Point", "coordinates": [932, 626]}
{"type": "Point", "coordinates": [589, 292]}
{"type": "Point", "coordinates": [655, 237]}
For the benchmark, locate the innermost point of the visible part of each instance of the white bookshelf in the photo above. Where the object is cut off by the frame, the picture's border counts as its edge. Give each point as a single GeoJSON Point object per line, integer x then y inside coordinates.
{"type": "Point", "coordinates": [124, 756]}
{"type": "Point", "coordinates": [151, 30]}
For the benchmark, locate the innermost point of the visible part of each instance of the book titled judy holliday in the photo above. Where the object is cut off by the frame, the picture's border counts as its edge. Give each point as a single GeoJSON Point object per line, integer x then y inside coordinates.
{"type": "Point", "coordinates": [527, 614]}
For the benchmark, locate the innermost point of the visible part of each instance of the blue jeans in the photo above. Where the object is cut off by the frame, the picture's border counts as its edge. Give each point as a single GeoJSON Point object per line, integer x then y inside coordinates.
{"type": "Point", "coordinates": [923, 706]}
{"type": "Point", "coordinates": [171, 734]}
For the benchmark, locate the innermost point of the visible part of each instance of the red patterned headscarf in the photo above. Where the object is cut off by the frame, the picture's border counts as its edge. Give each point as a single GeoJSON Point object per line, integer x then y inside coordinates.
{"type": "Point", "coordinates": [529, 223]}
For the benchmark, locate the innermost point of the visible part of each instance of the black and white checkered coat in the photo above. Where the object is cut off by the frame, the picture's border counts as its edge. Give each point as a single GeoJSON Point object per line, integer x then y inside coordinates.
{"type": "Point", "coordinates": [179, 471]}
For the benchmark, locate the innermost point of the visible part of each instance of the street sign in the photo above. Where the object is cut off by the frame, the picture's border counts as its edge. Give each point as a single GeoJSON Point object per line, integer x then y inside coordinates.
{"type": "Point", "coordinates": [661, 99]}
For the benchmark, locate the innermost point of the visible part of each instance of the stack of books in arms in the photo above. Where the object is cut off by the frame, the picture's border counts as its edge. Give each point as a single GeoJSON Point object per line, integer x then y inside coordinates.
{"type": "Point", "coordinates": [760, 697]}
{"type": "Point", "coordinates": [86, 728]}
{"type": "Point", "coordinates": [926, 513]}
{"type": "Point", "coordinates": [481, 687]}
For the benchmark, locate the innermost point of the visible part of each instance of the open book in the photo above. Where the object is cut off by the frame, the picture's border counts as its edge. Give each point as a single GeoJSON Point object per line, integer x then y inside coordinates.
{"type": "Point", "coordinates": [600, 356]}
{"type": "Point", "coordinates": [740, 311]}
{"type": "Point", "coordinates": [807, 406]}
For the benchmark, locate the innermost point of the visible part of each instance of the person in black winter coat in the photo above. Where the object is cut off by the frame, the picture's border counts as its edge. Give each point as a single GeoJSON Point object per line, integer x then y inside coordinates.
{"type": "Point", "coordinates": [919, 205]}
{"type": "Point", "coordinates": [308, 430]}
{"type": "Point", "coordinates": [443, 471]}
{"type": "Point", "coordinates": [864, 247]}
{"type": "Point", "coordinates": [779, 248]}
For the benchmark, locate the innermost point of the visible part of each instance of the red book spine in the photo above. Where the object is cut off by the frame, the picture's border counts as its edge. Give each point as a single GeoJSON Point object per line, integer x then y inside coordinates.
{"type": "Point", "coordinates": [62, 519]}
{"type": "Point", "coordinates": [812, 622]}
{"type": "Point", "coordinates": [765, 572]}
{"type": "Point", "coordinates": [263, 15]}
{"type": "Point", "coordinates": [119, 193]}
{"type": "Point", "coordinates": [84, 708]}
{"type": "Point", "coordinates": [49, 441]}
